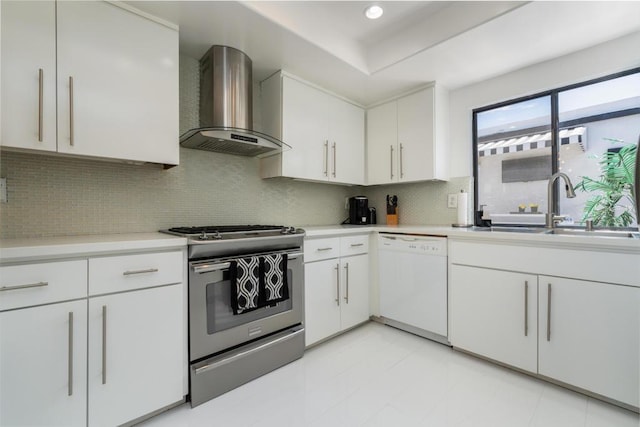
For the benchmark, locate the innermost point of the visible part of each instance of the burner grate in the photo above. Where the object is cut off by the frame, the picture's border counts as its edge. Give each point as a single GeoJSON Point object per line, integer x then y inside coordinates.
{"type": "Point", "coordinates": [224, 229]}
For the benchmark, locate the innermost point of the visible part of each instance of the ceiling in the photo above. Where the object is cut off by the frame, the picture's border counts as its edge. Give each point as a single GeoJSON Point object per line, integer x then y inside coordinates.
{"type": "Point", "coordinates": [454, 43]}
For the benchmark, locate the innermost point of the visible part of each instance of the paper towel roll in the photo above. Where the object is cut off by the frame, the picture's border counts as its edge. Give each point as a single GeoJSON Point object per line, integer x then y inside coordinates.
{"type": "Point", "coordinates": [463, 208]}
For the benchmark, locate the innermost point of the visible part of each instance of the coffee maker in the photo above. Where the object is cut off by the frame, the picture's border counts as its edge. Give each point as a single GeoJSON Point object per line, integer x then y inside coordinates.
{"type": "Point", "coordinates": [358, 210]}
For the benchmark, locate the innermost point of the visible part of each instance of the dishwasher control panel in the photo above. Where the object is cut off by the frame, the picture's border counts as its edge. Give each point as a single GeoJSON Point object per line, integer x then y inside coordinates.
{"type": "Point", "coordinates": [427, 245]}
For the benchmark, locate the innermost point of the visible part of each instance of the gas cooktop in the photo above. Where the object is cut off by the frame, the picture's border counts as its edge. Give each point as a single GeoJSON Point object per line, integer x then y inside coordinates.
{"type": "Point", "coordinates": [225, 232]}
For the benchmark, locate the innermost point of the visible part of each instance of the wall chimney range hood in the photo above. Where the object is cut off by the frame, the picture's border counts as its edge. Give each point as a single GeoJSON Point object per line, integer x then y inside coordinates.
{"type": "Point", "coordinates": [226, 113]}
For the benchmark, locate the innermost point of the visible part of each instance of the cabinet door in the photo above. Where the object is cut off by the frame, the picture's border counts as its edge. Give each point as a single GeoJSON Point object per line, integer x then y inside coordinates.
{"type": "Point", "coordinates": [346, 142]}
{"type": "Point", "coordinates": [28, 65]}
{"type": "Point", "coordinates": [305, 129]}
{"type": "Point", "coordinates": [493, 313]}
{"type": "Point", "coordinates": [382, 136]}
{"type": "Point", "coordinates": [415, 136]}
{"type": "Point", "coordinates": [355, 290]}
{"type": "Point", "coordinates": [321, 300]}
{"type": "Point", "coordinates": [590, 336]}
{"type": "Point", "coordinates": [135, 354]}
{"type": "Point", "coordinates": [43, 365]}
{"type": "Point", "coordinates": [125, 84]}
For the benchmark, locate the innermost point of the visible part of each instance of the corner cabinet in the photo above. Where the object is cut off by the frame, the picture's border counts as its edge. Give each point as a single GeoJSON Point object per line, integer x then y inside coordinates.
{"type": "Point", "coordinates": [336, 285]}
{"type": "Point", "coordinates": [407, 140]}
{"type": "Point", "coordinates": [89, 78]}
{"type": "Point", "coordinates": [516, 305]}
{"type": "Point", "coordinates": [325, 133]}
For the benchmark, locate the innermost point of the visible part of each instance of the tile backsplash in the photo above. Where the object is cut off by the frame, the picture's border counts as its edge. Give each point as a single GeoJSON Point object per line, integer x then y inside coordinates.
{"type": "Point", "coordinates": [53, 195]}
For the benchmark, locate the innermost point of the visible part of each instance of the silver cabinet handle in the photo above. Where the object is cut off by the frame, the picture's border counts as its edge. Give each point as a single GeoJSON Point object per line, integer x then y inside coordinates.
{"type": "Point", "coordinates": [334, 160]}
{"type": "Point", "coordinates": [30, 285]}
{"type": "Point", "coordinates": [70, 359]}
{"type": "Point", "coordinates": [132, 272]}
{"type": "Point", "coordinates": [346, 297]}
{"type": "Point", "coordinates": [338, 284]}
{"type": "Point", "coordinates": [526, 308]}
{"type": "Point", "coordinates": [71, 138]}
{"type": "Point", "coordinates": [40, 102]}
{"type": "Point", "coordinates": [323, 249]}
{"type": "Point", "coordinates": [401, 168]}
{"type": "Point", "coordinates": [549, 312]}
{"type": "Point", "coordinates": [391, 161]}
{"type": "Point", "coordinates": [104, 344]}
{"type": "Point", "coordinates": [355, 245]}
{"type": "Point", "coordinates": [325, 158]}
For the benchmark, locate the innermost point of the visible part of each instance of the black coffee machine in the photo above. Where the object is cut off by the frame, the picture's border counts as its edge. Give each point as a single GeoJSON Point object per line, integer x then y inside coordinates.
{"type": "Point", "coordinates": [358, 210]}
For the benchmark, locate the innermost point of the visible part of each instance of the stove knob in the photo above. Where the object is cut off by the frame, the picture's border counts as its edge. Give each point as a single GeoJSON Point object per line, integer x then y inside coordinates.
{"type": "Point", "coordinates": [203, 236]}
{"type": "Point", "coordinates": [292, 230]}
{"type": "Point", "coordinates": [217, 236]}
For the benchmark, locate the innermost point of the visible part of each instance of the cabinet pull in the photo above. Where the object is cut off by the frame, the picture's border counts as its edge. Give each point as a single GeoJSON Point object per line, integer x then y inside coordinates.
{"type": "Point", "coordinates": [323, 249]}
{"type": "Point", "coordinates": [325, 158]}
{"type": "Point", "coordinates": [70, 359]}
{"type": "Point", "coordinates": [148, 270]}
{"type": "Point", "coordinates": [30, 285]}
{"type": "Point", "coordinates": [338, 284]}
{"type": "Point", "coordinates": [334, 160]}
{"type": "Point", "coordinates": [71, 138]}
{"type": "Point", "coordinates": [549, 312]}
{"type": "Point", "coordinates": [391, 161]}
{"type": "Point", "coordinates": [346, 268]}
{"type": "Point", "coordinates": [355, 245]}
{"type": "Point", "coordinates": [104, 344]}
{"type": "Point", "coordinates": [40, 102]}
{"type": "Point", "coordinates": [401, 168]}
{"type": "Point", "coordinates": [526, 308]}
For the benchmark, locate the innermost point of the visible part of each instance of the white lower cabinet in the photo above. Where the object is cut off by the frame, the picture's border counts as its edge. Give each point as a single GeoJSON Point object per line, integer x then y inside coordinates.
{"type": "Point", "coordinates": [96, 341]}
{"type": "Point", "coordinates": [135, 356]}
{"type": "Point", "coordinates": [43, 365]}
{"type": "Point", "coordinates": [583, 333]}
{"type": "Point", "coordinates": [590, 336]}
{"type": "Point", "coordinates": [494, 314]}
{"type": "Point", "coordinates": [336, 289]}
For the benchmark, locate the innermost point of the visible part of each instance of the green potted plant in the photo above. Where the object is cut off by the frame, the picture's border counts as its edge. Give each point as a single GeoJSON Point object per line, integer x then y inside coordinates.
{"type": "Point", "coordinates": [615, 183]}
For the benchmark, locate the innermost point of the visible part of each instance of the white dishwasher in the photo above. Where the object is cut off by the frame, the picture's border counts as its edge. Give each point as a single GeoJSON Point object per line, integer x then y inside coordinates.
{"type": "Point", "coordinates": [413, 284]}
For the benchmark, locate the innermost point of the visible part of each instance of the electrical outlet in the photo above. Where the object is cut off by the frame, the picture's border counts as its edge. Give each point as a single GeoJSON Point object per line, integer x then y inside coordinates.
{"type": "Point", "coordinates": [3, 190]}
{"type": "Point", "coordinates": [452, 200]}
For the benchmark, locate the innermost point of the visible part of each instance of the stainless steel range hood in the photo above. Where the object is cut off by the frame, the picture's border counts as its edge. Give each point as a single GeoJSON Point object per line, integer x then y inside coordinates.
{"type": "Point", "coordinates": [226, 113]}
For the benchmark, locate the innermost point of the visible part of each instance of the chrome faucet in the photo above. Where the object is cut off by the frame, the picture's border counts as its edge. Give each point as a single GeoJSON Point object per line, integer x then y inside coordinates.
{"type": "Point", "coordinates": [551, 217]}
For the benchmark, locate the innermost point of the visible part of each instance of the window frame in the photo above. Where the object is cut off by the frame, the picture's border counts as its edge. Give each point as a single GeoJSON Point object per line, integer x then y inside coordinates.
{"type": "Point", "coordinates": [556, 125]}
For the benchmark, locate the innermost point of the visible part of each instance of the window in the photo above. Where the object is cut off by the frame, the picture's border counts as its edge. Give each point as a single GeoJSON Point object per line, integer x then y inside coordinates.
{"type": "Point", "coordinates": [587, 131]}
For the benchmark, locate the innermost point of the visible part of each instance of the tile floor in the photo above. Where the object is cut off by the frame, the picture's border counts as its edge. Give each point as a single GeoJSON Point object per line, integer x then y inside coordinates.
{"type": "Point", "coordinates": [379, 376]}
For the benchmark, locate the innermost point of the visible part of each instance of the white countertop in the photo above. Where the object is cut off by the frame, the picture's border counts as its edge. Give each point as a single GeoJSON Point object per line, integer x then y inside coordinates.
{"type": "Point", "coordinates": [538, 239]}
{"type": "Point", "coordinates": [20, 250]}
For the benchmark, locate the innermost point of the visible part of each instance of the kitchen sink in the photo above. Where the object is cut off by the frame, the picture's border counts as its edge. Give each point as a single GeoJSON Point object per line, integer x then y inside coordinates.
{"type": "Point", "coordinates": [593, 233]}
{"type": "Point", "coordinates": [563, 231]}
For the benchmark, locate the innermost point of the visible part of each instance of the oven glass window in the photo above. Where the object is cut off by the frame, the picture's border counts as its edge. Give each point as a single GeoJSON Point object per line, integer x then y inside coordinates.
{"type": "Point", "coordinates": [219, 312]}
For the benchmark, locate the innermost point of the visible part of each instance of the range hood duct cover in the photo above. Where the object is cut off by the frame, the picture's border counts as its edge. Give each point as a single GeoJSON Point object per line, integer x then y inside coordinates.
{"type": "Point", "coordinates": [226, 113]}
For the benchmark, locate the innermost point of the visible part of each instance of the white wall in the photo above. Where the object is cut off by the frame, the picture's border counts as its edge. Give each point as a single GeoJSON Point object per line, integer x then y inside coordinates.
{"type": "Point", "coordinates": [607, 58]}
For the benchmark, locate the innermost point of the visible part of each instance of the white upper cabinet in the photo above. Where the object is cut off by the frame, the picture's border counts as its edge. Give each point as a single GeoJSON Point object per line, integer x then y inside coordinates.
{"type": "Point", "coordinates": [28, 91]}
{"type": "Point", "coordinates": [116, 78]}
{"type": "Point", "coordinates": [406, 138]}
{"type": "Point", "coordinates": [325, 133]}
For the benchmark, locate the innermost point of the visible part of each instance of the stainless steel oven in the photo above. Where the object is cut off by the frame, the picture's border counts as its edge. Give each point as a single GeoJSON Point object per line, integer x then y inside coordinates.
{"type": "Point", "coordinates": [227, 349]}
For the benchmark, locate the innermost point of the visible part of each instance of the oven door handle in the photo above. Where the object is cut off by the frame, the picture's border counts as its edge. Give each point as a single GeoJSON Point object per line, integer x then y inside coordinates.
{"type": "Point", "coordinates": [207, 268]}
{"type": "Point", "coordinates": [243, 354]}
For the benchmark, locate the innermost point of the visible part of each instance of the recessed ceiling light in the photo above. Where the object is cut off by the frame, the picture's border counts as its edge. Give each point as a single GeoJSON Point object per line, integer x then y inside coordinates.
{"type": "Point", "coordinates": [373, 12]}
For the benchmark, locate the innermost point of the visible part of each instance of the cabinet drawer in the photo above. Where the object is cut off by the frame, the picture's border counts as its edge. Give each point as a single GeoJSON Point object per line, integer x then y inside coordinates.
{"type": "Point", "coordinates": [34, 284]}
{"type": "Point", "coordinates": [354, 245]}
{"type": "Point", "coordinates": [129, 272]}
{"type": "Point", "coordinates": [317, 249]}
